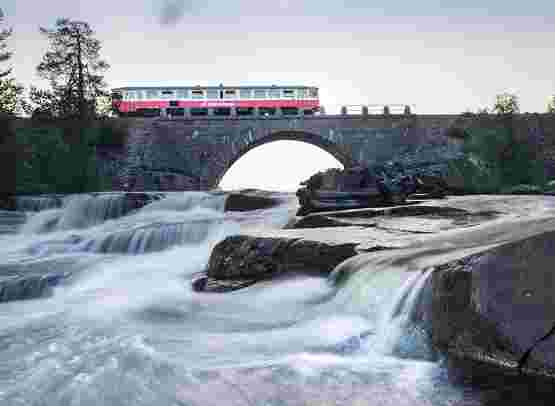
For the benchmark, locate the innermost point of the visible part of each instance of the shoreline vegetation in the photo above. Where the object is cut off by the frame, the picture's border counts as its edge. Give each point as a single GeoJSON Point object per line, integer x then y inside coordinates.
{"type": "Point", "coordinates": [73, 156]}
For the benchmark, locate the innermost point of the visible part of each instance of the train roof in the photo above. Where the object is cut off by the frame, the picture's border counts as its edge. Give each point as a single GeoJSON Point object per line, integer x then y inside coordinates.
{"type": "Point", "coordinates": [214, 87]}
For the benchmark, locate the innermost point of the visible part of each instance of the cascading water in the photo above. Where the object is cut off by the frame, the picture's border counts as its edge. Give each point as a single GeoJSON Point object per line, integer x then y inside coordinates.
{"type": "Point", "coordinates": [38, 203]}
{"type": "Point", "coordinates": [114, 320]}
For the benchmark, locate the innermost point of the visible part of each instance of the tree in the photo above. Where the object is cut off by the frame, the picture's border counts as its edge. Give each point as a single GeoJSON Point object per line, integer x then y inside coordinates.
{"type": "Point", "coordinates": [74, 69]}
{"type": "Point", "coordinates": [551, 105]}
{"type": "Point", "coordinates": [4, 53]}
{"type": "Point", "coordinates": [10, 91]}
{"type": "Point", "coordinates": [10, 96]}
{"type": "Point", "coordinates": [506, 103]}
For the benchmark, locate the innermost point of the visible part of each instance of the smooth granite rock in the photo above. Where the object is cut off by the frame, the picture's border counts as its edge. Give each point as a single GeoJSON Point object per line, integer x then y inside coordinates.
{"type": "Point", "coordinates": [496, 306]}
{"type": "Point", "coordinates": [240, 260]}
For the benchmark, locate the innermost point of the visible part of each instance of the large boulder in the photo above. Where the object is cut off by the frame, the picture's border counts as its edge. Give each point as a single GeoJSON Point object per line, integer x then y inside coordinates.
{"type": "Point", "coordinates": [241, 260]}
{"type": "Point", "coordinates": [496, 306]}
{"type": "Point", "coordinates": [250, 200]}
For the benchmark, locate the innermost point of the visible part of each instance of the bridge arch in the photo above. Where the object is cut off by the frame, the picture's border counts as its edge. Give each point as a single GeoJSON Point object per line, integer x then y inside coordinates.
{"type": "Point", "coordinates": [291, 135]}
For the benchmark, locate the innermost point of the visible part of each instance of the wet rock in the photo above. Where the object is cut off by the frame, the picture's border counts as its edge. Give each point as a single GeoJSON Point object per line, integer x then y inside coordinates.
{"type": "Point", "coordinates": [247, 201]}
{"type": "Point", "coordinates": [7, 202]}
{"type": "Point", "coordinates": [316, 221]}
{"type": "Point", "coordinates": [355, 187]}
{"type": "Point", "coordinates": [137, 200]}
{"type": "Point", "coordinates": [496, 306]}
{"type": "Point", "coordinates": [211, 285]}
{"type": "Point", "coordinates": [199, 283]}
{"type": "Point", "coordinates": [241, 260]}
{"type": "Point", "coordinates": [29, 287]}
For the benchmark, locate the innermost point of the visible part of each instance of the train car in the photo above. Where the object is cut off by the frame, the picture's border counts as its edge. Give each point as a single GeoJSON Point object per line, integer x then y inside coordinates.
{"type": "Point", "coordinates": [215, 101]}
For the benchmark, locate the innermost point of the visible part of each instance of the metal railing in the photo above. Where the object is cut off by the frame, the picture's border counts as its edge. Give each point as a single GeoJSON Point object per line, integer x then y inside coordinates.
{"type": "Point", "coordinates": [368, 109]}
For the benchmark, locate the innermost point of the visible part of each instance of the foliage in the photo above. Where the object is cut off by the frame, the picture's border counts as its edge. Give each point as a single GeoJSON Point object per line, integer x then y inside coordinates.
{"type": "Point", "coordinates": [551, 105]}
{"type": "Point", "coordinates": [8, 156]}
{"type": "Point", "coordinates": [494, 160]}
{"type": "Point", "coordinates": [103, 106]}
{"type": "Point", "coordinates": [4, 53]}
{"type": "Point", "coordinates": [58, 160]}
{"type": "Point", "coordinates": [74, 69]}
{"type": "Point", "coordinates": [10, 96]}
{"type": "Point", "coordinates": [10, 91]}
{"type": "Point", "coordinates": [523, 189]}
{"type": "Point", "coordinates": [506, 103]}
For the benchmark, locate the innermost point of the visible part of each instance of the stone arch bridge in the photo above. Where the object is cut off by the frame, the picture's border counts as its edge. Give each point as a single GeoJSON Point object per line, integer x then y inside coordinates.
{"type": "Point", "coordinates": [185, 154]}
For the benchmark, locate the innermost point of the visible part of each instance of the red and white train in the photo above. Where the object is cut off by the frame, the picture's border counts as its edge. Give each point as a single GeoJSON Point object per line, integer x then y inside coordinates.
{"type": "Point", "coordinates": [216, 100]}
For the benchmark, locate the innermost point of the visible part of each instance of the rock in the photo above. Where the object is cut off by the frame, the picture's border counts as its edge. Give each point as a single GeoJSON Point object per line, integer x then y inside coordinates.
{"type": "Point", "coordinates": [137, 200]}
{"type": "Point", "coordinates": [496, 306]}
{"type": "Point", "coordinates": [199, 283]}
{"type": "Point", "coordinates": [211, 285]}
{"type": "Point", "coordinates": [29, 287]}
{"type": "Point", "coordinates": [249, 201]}
{"type": "Point", "coordinates": [7, 202]}
{"type": "Point", "coordinates": [242, 260]}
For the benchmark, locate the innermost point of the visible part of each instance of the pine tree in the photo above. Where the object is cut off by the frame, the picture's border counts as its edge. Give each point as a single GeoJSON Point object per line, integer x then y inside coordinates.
{"type": "Point", "coordinates": [4, 53]}
{"type": "Point", "coordinates": [74, 69]}
{"type": "Point", "coordinates": [10, 91]}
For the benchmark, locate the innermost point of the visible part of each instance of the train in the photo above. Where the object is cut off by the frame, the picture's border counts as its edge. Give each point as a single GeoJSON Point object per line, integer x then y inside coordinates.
{"type": "Point", "coordinates": [231, 101]}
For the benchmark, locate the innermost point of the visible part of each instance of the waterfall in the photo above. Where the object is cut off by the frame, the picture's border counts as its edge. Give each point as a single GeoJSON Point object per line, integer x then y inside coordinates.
{"type": "Point", "coordinates": [83, 211]}
{"type": "Point", "coordinates": [38, 203]}
{"type": "Point", "coordinates": [152, 238]}
{"type": "Point", "coordinates": [41, 222]}
{"type": "Point", "coordinates": [397, 332]}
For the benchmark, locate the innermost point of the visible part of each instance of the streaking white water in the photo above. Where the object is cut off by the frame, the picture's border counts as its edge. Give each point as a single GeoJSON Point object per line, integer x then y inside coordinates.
{"type": "Point", "coordinates": [126, 328]}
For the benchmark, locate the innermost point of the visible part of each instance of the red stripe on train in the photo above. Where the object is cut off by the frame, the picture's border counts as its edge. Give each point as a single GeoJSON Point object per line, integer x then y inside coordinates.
{"type": "Point", "coordinates": [126, 106]}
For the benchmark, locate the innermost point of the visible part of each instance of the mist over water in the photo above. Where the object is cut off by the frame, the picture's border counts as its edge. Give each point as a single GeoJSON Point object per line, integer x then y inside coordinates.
{"type": "Point", "coordinates": [124, 327]}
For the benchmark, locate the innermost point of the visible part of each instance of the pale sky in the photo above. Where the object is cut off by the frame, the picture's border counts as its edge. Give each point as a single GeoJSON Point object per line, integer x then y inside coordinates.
{"type": "Point", "coordinates": [278, 165]}
{"type": "Point", "coordinates": [439, 56]}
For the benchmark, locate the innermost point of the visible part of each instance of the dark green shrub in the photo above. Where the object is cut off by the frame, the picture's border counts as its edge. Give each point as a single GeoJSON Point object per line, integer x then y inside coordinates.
{"type": "Point", "coordinates": [494, 161]}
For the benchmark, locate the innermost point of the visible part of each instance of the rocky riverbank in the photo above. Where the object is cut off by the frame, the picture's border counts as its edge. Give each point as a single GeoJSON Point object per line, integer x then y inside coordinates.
{"type": "Point", "coordinates": [493, 305]}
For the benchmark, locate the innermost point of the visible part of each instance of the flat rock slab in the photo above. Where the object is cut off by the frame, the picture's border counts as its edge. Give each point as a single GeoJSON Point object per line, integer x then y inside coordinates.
{"type": "Point", "coordinates": [411, 219]}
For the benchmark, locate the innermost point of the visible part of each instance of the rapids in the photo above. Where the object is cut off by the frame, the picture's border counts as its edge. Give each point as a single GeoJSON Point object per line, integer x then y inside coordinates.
{"type": "Point", "coordinates": [113, 319]}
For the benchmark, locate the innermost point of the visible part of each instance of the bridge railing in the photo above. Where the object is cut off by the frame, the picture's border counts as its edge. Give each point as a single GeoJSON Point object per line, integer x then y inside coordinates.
{"type": "Point", "coordinates": [368, 109]}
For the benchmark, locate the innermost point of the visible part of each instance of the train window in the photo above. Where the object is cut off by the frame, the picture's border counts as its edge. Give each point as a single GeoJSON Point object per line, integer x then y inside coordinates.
{"type": "Point", "coordinates": [275, 94]}
{"type": "Point", "coordinates": [182, 94]}
{"type": "Point", "coordinates": [140, 95]}
{"type": "Point", "coordinates": [197, 94]}
{"type": "Point", "coordinates": [131, 95]}
{"type": "Point", "coordinates": [245, 93]}
{"type": "Point", "coordinates": [313, 92]}
{"type": "Point", "coordinates": [288, 93]}
{"type": "Point", "coordinates": [167, 94]}
{"type": "Point", "coordinates": [259, 93]}
{"type": "Point", "coordinates": [229, 94]}
{"type": "Point", "coordinates": [212, 94]}
{"type": "Point", "coordinates": [117, 95]}
{"type": "Point", "coordinates": [152, 94]}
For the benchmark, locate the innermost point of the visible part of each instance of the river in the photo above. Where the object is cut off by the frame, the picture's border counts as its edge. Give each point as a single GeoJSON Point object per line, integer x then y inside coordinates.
{"type": "Point", "coordinates": [123, 327]}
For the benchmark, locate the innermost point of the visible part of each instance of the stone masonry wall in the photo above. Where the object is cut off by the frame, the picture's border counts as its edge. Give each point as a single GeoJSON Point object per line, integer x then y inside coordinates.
{"type": "Point", "coordinates": [182, 154]}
